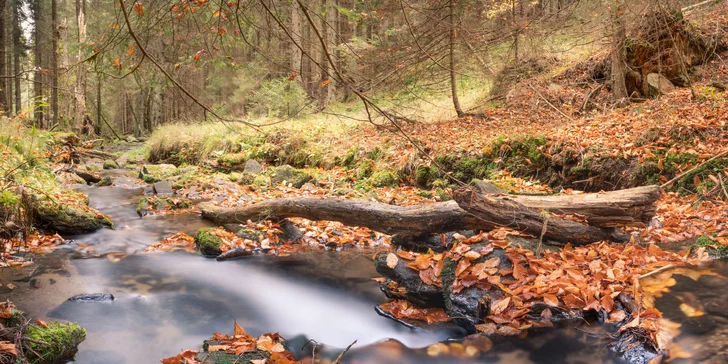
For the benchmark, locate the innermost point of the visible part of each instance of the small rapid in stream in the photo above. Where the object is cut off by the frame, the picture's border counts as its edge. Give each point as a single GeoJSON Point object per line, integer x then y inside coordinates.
{"type": "Point", "coordinates": [167, 302]}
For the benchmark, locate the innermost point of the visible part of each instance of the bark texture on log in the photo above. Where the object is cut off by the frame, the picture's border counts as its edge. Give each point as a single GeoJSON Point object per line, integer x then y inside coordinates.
{"type": "Point", "coordinates": [470, 210]}
{"type": "Point", "coordinates": [431, 218]}
{"type": "Point", "coordinates": [630, 207]}
{"type": "Point", "coordinates": [509, 213]}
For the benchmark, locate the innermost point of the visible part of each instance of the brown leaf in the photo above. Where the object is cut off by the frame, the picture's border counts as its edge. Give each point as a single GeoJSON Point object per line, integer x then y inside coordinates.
{"type": "Point", "coordinates": [551, 300]}
{"type": "Point", "coordinates": [238, 330]}
{"type": "Point", "coordinates": [41, 323]}
{"type": "Point", "coordinates": [499, 306]}
{"type": "Point", "coordinates": [8, 347]}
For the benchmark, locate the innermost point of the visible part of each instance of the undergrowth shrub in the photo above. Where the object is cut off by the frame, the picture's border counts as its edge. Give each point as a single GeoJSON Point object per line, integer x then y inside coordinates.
{"type": "Point", "coordinates": [279, 97]}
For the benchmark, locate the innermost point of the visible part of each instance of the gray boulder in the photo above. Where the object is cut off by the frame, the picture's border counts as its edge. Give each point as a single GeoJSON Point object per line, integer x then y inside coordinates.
{"type": "Point", "coordinates": [253, 167]}
{"type": "Point", "coordinates": [658, 84]}
{"type": "Point", "coordinates": [163, 188]}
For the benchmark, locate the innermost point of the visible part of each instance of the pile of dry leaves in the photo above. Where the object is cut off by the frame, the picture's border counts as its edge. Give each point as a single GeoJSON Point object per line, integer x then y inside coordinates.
{"type": "Point", "coordinates": [268, 347]}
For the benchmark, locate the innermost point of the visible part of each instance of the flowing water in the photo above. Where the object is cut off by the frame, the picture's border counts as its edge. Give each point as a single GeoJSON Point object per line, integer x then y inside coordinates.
{"type": "Point", "coordinates": [167, 302]}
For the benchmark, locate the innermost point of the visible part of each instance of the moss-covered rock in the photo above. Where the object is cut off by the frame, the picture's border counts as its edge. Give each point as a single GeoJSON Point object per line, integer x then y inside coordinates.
{"type": "Point", "coordinates": [68, 219]}
{"type": "Point", "coordinates": [232, 161]}
{"type": "Point", "coordinates": [712, 247]}
{"type": "Point", "coordinates": [110, 164]}
{"type": "Point", "coordinates": [207, 243]}
{"type": "Point", "coordinates": [56, 343]}
{"type": "Point", "coordinates": [288, 174]}
{"type": "Point", "coordinates": [105, 181]}
{"type": "Point", "coordinates": [383, 178]}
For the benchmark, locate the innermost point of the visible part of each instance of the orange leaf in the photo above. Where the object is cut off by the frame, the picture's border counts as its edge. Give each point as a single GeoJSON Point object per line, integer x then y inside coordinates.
{"type": "Point", "coordinates": [325, 83]}
{"type": "Point", "coordinates": [41, 323]}
{"type": "Point", "coordinates": [130, 51]}
{"type": "Point", "coordinates": [8, 347]}
{"type": "Point", "coordinates": [551, 300]}
{"type": "Point", "coordinates": [238, 331]}
{"type": "Point", "coordinates": [139, 8]}
{"type": "Point", "coordinates": [499, 306]}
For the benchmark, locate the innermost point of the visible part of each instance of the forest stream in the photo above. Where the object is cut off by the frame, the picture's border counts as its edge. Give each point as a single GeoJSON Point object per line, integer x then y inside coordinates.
{"type": "Point", "coordinates": [165, 302]}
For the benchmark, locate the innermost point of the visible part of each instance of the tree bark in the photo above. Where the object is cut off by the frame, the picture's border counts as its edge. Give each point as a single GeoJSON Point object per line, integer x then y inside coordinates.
{"type": "Point", "coordinates": [453, 78]}
{"type": "Point", "coordinates": [3, 82]}
{"type": "Point", "coordinates": [18, 49]}
{"type": "Point", "coordinates": [619, 36]}
{"type": "Point", "coordinates": [469, 211]}
{"type": "Point", "coordinates": [38, 17]}
{"type": "Point", "coordinates": [81, 70]}
{"type": "Point", "coordinates": [296, 32]}
{"type": "Point", "coordinates": [54, 61]}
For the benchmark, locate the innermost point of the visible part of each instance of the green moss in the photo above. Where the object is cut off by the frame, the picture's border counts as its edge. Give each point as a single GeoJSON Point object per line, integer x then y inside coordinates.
{"type": "Point", "coordinates": [69, 219]}
{"type": "Point", "coordinates": [424, 176]}
{"type": "Point", "coordinates": [713, 248]}
{"type": "Point", "coordinates": [150, 179]}
{"type": "Point", "coordinates": [425, 194]}
{"type": "Point", "coordinates": [444, 196]}
{"type": "Point", "coordinates": [383, 178]}
{"type": "Point", "coordinates": [365, 170]}
{"type": "Point", "coordinates": [109, 164]}
{"type": "Point", "coordinates": [142, 205]}
{"type": "Point", "coordinates": [207, 243]}
{"type": "Point", "coordinates": [105, 181]}
{"type": "Point", "coordinates": [55, 344]}
{"type": "Point", "coordinates": [250, 234]}
{"type": "Point", "coordinates": [232, 160]}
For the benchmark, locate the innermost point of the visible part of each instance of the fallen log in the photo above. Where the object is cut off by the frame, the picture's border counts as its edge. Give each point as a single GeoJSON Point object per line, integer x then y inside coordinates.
{"type": "Point", "coordinates": [470, 210]}
{"type": "Point", "coordinates": [510, 213]}
{"type": "Point", "coordinates": [87, 176]}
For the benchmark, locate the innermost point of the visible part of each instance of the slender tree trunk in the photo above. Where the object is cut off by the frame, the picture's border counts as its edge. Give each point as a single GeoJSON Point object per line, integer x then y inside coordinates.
{"type": "Point", "coordinates": [619, 34]}
{"type": "Point", "coordinates": [297, 38]}
{"type": "Point", "coordinates": [38, 62]}
{"type": "Point", "coordinates": [54, 61]}
{"type": "Point", "coordinates": [3, 82]}
{"type": "Point", "coordinates": [81, 69]}
{"type": "Point", "coordinates": [325, 69]}
{"type": "Point", "coordinates": [17, 51]}
{"type": "Point", "coordinates": [453, 78]}
{"type": "Point", "coordinates": [330, 26]}
{"type": "Point", "coordinates": [98, 104]}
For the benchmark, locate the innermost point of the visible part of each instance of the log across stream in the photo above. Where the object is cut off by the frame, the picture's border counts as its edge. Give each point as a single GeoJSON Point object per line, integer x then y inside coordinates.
{"type": "Point", "coordinates": [469, 210]}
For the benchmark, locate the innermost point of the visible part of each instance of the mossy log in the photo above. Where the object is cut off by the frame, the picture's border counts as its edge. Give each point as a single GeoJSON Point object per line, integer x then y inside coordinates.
{"type": "Point", "coordinates": [470, 211]}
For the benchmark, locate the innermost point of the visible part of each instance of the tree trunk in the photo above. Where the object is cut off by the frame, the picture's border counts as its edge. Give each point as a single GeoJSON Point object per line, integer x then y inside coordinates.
{"type": "Point", "coordinates": [38, 62]}
{"type": "Point", "coordinates": [619, 35]}
{"type": "Point", "coordinates": [81, 70]}
{"type": "Point", "coordinates": [471, 211]}
{"type": "Point", "coordinates": [297, 38]}
{"type": "Point", "coordinates": [453, 78]}
{"type": "Point", "coordinates": [18, 49]}
{"type": "Point", "coordinates": [54, 61]}
{"type": "Point", "coordinates": [3, 82]}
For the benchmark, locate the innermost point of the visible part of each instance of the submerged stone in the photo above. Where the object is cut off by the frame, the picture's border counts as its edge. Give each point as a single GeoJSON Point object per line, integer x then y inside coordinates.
{"type": "Point", "coordinates": [92, 297]}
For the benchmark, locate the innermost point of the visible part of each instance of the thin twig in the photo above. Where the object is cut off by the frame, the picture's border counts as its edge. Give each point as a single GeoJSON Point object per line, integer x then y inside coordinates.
{"type": "Point", "coordinates": [550, 104]}
{"type": "Point", "coordinates": [338, 359]}
{"type": "Point", "coordinates": [659, 270]}
{"type": "Point", "coordinates": [681, 175]}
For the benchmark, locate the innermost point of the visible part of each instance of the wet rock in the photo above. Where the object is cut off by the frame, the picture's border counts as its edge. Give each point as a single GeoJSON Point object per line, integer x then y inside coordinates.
{"type": "Point", "coordinates": [419, 293]}
{"type": "Point", "coordinates": [253, 167]}
{"type": "Point", "coordinates": [419, 243]}
{"type": "Point", "coordinates": [105, 181]}
{"type": "Point", "coordinates": [234, 253]}
{"type": "Point", "coordinates": [207, 243]}
{"type": "Point", "coordinates": [163, 188]}
{"type": "Point", "coordinates": [288, 174]}
{"type": "Point", "coordinates": [632, 348]}
{"type": "Point", "coordinates": [122, 161]}
{"type": "Point", "coordinates": [221, 357]}
{"type": "Point", "coordinates": [54, 342]}
{"type": "Point", "coordinates": [698, 325]}
{"type": "Point", "coordinates": [485, 187]}
{"type": "Point", "coordinates": [716, 306]}
{"type": "Point", "coordinates": [658, 84]}
{"type": "Point", "coordinates": [713, 281]}
{"type": "Point", "coordinates": [92, 297]}
{"type": "Point", "coordinates": [291, 233]}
